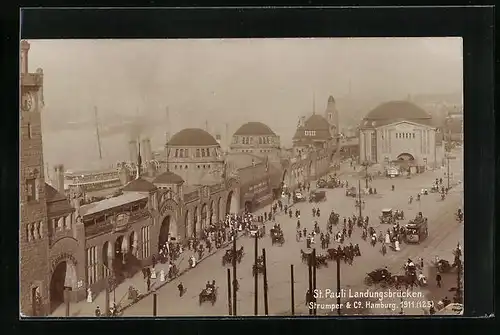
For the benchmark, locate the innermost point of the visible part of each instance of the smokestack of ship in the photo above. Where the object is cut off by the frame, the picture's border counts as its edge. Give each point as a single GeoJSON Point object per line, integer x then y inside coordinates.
{"type": "Point", "coordinates": [146, 151]}
{"type": "Point", "coordinates": [59, 178]}
{"type": "Point", "coordinates": [132, 147]}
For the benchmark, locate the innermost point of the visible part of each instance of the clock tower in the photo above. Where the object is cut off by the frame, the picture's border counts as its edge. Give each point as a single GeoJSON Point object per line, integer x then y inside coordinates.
{"type": "Point", "coordinates": [33, 232]}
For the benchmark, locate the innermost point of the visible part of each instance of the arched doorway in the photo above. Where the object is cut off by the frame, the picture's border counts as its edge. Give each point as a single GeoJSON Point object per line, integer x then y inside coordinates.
{"type": "Point", "coordinates": [119, 252]}
{"type": "Point", "coordinates": [219, 210]}
{"type": "Point", "coordinates": [405, 157]}
{"type": "Point", "coordinates": [212, 213]}
{"type": "Point", "coordinates": [186, 225]}
{"type": "Point", "coordinates": [248, 206]}
{"type": "Point", "coordinates": [231, 203]}
{"type": "Point", "coordinates": [310, 170]}
{"type": "Point", "coordinates": [195, 221]}
{"type": "Point", "coordinates": [284, 178]}
{"type": "Point", "coordinates": [63, 277]}
{"type": "Point", "coordinates": [164, 231]}
{"type": "Point", "coordinates": [133, 243]}
{"type": "Point", "coordinates": [203, 217]}
{"type": "Point", "coordinates": [107, 257]}
{"type": "Point", "coordinates": [57, 286]}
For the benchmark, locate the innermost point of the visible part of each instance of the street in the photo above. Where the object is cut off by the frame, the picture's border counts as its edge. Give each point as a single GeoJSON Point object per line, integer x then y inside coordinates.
{"type": "Point", "coordinates": [444, 233]}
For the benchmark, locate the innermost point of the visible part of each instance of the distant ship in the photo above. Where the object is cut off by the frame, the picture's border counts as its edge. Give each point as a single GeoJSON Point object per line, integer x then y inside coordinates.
{"type": "Point", "coordinates": [92, 181]}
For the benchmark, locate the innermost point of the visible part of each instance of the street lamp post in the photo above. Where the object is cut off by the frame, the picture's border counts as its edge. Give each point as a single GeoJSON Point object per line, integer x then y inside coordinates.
{"type": "Point", "coordinates": [365, 164]}
{"type": "Point", "coordinates": [458, 261]}
{"type": "Point", "coordinates": [359, 198]}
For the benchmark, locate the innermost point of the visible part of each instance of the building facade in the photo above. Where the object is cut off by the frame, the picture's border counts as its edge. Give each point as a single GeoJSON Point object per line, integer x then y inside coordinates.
{"type": "Point", "coordinates": [68, 246]}
{"type": "Point", "coordinates": [195, 156]}
{"type": "Point", "coordinates": [317, 131]}
{"type": "Point", "coordinates": [256, 138]}
{"type": "Point", "coordinates": [400, 131]}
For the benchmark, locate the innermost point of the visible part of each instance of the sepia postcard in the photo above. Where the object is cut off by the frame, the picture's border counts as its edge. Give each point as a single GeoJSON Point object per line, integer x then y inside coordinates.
{"type": "Point", "coordinates": [241, 177]}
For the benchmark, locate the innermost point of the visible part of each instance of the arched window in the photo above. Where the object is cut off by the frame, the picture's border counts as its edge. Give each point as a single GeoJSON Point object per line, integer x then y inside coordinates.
{"type": "Point", "coordinates": [186, 153]}
{"type": "Point", "coordinates": [260, 140]}
{"type": "Point", "coordinates": [176, 152]}
{"type": "Point", "coordinates": [181, 153]}
{"type": "Point", "coordinates": [197, 152]}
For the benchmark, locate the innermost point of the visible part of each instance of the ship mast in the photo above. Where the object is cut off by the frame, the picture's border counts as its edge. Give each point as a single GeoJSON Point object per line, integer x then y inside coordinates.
{"type": "Point", "coordinates": [97, 133]}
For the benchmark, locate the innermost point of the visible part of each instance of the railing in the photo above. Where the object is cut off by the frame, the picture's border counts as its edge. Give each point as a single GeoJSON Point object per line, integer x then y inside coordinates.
{"type": "Point", "coordinates": [188, 197]}
{"type": "Point", "coordinates": [108, 226]}
{"type": "Point", "coordinates": [98, 229]}
{"type": "Point", "coordinates": [139, 215]}
{"type": "Point", "coordinates": [216, 188]}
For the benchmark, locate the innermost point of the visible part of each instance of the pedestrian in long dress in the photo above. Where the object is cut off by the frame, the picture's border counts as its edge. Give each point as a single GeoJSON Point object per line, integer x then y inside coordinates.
{"type": "Point", "coordinates": [162, 275]}
{"type": "Point", "coordinates": [89, 295]}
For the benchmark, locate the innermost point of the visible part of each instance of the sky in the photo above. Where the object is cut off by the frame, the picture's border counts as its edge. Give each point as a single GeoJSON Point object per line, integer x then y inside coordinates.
{"type": "Point", "coordinates": [223, 81]}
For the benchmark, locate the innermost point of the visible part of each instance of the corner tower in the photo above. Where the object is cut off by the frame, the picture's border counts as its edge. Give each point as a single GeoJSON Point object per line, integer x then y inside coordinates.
{"type": "Point", "coordinates": [332, 116]}
{"type": "Point", "coordinates": [33, 230]}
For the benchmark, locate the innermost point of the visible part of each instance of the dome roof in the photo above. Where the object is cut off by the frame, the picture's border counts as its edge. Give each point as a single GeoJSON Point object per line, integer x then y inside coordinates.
{"type": "Point", "coordinates": [139, 185]}
{"type": "Point", "coordinates": [168, 178]}
{"type": "Point", "coordinates": [192, 137]}
{"type": "Point", "coordinates": [317, 122]}
{"type": "Point", "coordinates": [398, 110]}
{"type": "Point", "coordinates": [254, 128]}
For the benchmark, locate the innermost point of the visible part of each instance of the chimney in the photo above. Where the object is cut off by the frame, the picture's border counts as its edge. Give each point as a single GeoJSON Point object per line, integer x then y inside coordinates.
{"type": "Point", "coordinates": [145, 150]}
{"type": "Point", "coordinates": [132, 147]}
{"type": "Point", "coordinates": [76, 205]}
{"type": "Point", "coordinates": [59, 178]}
{"type": "Point", "coordinates": [25, 47]}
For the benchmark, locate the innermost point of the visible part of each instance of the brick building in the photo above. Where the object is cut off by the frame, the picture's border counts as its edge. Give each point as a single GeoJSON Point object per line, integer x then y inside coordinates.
{"type": "Point", "coordinates": [68, 246]}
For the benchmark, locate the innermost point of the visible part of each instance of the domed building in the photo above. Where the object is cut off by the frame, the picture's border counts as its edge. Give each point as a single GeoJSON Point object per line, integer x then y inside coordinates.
{"type": "Point", "coordinates": [255, 138]}
{"type": "Point", "coordinates": [195, 156]}
{"type": "Point", "coordinates": [400, 131]}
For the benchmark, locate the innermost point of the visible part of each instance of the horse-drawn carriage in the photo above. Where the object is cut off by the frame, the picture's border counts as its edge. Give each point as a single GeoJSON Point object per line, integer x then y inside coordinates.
{"type": "Point", "coordinates": [443, 266]}
{"type": "Point", "coordinates": [259, 267]}
{"type": "Point", "coordinates": [351, 192]}
{"type": "Point", "coordinates": [208, 294]}
{"type": "Point", "coordinates": [257, 229]}
{"type": "Point", "coordinates": [416, 231]}
{"type": "Point", "coordinates": [387, 216]}
{"type": "Point", "coordinates": [277, 236]}
{"type": "Point", "coordinates": [298, 197]}
{"type": "Point", "coordinates": [380, 276]}
{"type": "Point", "coordinates": [228, 256]}
{"type": "Point", "coordinates": [321, 259]}
{"type": "Point", "coordinates": [317, 196]}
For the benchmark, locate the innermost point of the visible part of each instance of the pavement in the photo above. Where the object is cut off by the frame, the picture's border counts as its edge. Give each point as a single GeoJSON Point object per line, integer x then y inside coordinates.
{"type": "Point", "coordinates": [444, 233]}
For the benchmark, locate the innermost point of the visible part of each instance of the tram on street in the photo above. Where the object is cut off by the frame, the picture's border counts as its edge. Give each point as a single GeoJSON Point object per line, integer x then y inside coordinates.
{"type": "Point", "coordinates": [416, 231]}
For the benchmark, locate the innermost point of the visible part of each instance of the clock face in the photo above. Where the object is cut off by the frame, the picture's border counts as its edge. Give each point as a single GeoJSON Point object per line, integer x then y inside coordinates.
{"type": "Point", "coordinates": [27, 102]}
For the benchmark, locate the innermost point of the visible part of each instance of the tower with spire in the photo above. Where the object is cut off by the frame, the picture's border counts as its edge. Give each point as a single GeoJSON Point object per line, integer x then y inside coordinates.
{"type": "Point", "coordinates": [332, 115]}
{"type": "Point", "coordinates": [139, 162]}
